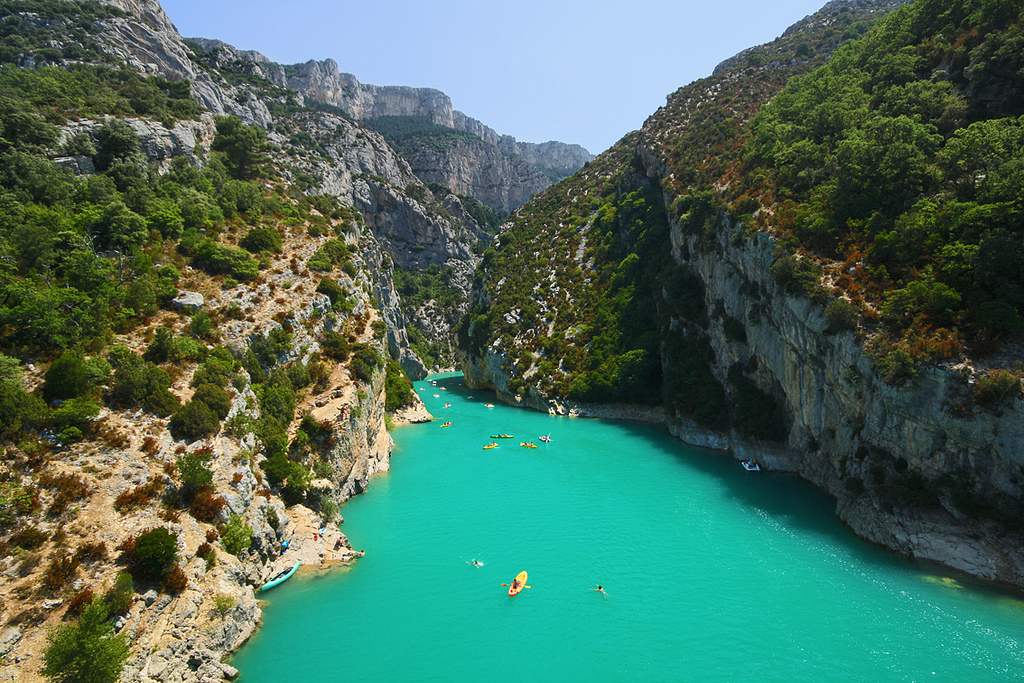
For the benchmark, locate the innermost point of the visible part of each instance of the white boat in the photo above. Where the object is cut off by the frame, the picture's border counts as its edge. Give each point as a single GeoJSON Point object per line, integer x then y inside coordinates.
{"type": "Point", "coordinates": [750, 465]}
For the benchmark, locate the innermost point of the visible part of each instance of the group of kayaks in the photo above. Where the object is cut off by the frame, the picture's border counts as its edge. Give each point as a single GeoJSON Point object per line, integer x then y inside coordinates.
{"type": "Point", "coordinates": [524, 444]}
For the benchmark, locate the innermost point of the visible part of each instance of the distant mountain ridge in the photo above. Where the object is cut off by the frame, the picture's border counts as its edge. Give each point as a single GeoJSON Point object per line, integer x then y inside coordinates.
{"type": "Point", "coordinates": [493, 176]}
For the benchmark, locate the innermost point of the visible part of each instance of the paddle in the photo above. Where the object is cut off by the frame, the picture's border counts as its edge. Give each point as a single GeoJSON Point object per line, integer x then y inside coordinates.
{"type": "Point", "coordinates": [505, 584]}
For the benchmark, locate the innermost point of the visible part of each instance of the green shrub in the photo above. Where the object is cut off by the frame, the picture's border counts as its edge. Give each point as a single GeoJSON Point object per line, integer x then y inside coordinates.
{"type": "Point", "coordinates": [18, 409]}
{"type": "Point", "coordinates": [336, 346]}
{"type": "Point", "coordinates": [218, 259]}
{"type": "Point", "coordinates": [996, 386]}
{"type": "Point", "coordinates": [278, 402]}
{"type": "Point", "coordinates": [398, 388]}
{"type": "Point", "coordinates": [194, 421]}
{"type": "Point", "coordinates": [267, 349]}
{"type": "Point", "coordinates": [272, 435]}
{"type": "Point", "coordinates": [260, 239]}
{"type": "Point", "coordinates": [75, 412]}
{"type": "Point", "coordinates": [194, 474]}
{"type": "Point", "coordinates": [67, 377]}
{"type": "Point", "coordinates": [842, 315]}
{"type": "Point", "coordinates": [155, 553]}
{"type": "Point", "coordinates": [236, 535]}
{"type": "Point", "coordinates": [366, 360]}
{"type": "Point", "coordinates": [216, 371]}
{"type": "Point", "coordinates": [332, 289]}
{"type": "Point", "coordinates": [223, 603]}
{"type": "Point", "coordinates": [137, 382]}
{"type": "Point", "coordinates": [215, 398]}
{"type": "Point", "coordinates": [121, 594]}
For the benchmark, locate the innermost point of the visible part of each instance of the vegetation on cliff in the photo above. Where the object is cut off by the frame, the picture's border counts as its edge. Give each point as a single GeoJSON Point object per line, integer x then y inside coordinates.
{"type": "Point", "coordinates": [580, 292]}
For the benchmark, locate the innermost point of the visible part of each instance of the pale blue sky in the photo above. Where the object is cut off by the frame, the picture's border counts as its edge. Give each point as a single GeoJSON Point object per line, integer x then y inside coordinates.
{"type": "Point", "coordinates": [583, 72]}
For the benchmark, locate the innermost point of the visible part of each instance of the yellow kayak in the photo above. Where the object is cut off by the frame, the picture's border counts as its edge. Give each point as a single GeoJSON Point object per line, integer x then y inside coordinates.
{"type": "Point", "coordinates": [518, 584]}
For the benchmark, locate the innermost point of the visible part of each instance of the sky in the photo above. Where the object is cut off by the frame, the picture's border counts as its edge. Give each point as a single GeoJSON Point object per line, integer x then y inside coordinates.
{"type": "Point", "coordinates": [539, 70]}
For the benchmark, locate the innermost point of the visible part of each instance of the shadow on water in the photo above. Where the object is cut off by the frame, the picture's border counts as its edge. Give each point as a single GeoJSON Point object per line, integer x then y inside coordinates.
{"type": "Point", "coordinates": [785, 497]}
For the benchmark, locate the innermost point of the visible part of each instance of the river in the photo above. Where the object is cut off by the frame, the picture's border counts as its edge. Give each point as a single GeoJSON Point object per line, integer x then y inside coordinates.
{"type": "Point", "coordinates": [710, 572]}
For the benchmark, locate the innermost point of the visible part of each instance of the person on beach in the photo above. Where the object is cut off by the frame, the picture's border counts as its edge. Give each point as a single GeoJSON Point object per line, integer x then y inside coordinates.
{"type": "Point", "coordinates": [599, 589]}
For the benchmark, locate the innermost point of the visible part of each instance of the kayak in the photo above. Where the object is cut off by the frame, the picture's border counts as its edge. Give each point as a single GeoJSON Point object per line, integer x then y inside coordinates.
{"type": "Point", "coordinates": [280, 577]}
{"type": "Point", "coordinates": [518, 584]}
{"type": "Point", "coordinates": [527, 444]}
{"type": "Point", "coordinates": [501, 436]}
{"type": "Point", "coordinates": [490, 445]}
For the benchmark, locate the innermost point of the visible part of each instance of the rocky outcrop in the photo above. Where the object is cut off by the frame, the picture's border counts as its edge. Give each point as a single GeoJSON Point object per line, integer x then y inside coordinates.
{"type": "Point", "coordinates": [157, 142]}
{"type": "Point", "coordinates": [150, 44]}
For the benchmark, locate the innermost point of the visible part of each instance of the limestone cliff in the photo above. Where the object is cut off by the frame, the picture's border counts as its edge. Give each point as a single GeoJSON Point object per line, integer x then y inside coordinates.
{"type": "Point", "coordinates": [848, 425]}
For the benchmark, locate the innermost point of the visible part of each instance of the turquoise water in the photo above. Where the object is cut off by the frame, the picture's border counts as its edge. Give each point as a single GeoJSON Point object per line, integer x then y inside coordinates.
{"type": "Point", "coordinates": [712, 573]}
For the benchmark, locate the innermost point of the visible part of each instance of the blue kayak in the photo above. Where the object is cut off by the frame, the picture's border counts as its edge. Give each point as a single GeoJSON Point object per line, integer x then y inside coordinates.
{"type": "Point", "coordinates": [280, 577]}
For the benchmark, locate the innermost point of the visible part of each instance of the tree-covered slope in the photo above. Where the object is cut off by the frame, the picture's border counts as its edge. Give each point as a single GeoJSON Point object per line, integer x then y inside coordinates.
{"type": "Point", "coordinates": [898, 166]}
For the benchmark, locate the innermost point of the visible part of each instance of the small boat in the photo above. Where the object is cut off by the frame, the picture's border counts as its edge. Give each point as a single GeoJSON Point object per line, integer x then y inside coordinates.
{"type": "Point", "coordinates": [447, 424]}
{"type": "Point", "coordinates": [437, 395]}
{"type": "Point", "coordinates": [545, 439]}
{"type": "Point", "coordinates": [751, 465]}
{"type": "Point", "coordinates": [491, 445]}
{"type": "Point", "coordinates": [527, 444]}
{"type": "Point", "coordinates": [518, 584]}
{"type": "Point", "coordinates": [501, 436]}
{"type": "Point", "coordinates": [447, 405]}
{"type": "Point", "coordinates": [280, 577]}
{"type": "Point", "coordinates": [489, 405]}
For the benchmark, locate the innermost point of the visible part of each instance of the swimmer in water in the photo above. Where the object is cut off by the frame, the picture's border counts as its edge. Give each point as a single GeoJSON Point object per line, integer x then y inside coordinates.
{"type": "Point", "coordinates": [476, 563]}
{"type": "Point", "coordinates": [599, 589]}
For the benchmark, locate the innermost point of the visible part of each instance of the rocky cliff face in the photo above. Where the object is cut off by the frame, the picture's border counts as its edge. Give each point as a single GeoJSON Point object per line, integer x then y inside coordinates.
{"type": "Point", "coordinates": [481, 171]}
{"type": "Point", "coordinates": [847, 425]}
